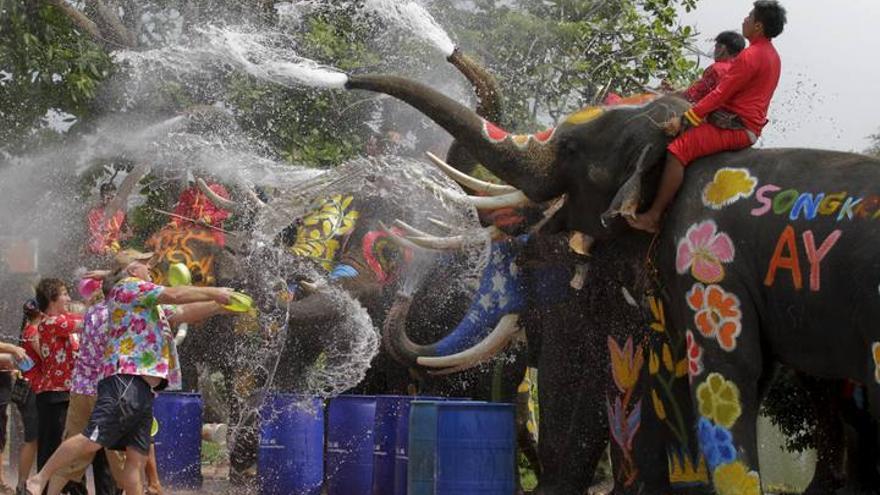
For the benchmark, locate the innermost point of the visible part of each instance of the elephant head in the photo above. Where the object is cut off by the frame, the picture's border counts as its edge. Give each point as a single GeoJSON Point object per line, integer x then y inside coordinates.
{"type": "Point", "coordinates": [604, 159]}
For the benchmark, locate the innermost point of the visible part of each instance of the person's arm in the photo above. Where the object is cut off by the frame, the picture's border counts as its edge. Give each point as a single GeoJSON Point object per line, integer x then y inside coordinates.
{"type": "Point", "coordinates": [195, 312]}
{"type": "Point", "coordinates": [187, 294]}
{"type": "Point", "coordinates": [702, 87]}
{"type": "Point", "coordinates": [741, 73]}
{"type": "Point", "coordinates": [17, 352]}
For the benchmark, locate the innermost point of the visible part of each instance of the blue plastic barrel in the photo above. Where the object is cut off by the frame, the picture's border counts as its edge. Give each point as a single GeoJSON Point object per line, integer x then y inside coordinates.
{"type": "Point", "coordinates": [401, 446]}
{"type": "Point", "coordinates": [388, 410]}
{"type": "Point", "coordinates": [290, 460]}
{"type": "Point", "coordinates": [422, 447]}
{"type": "Point", "coordinates": [349, 468]}
{"type": "Point", "coordinates": [179, 440]}
{"type": "Point", "coordinates": [476, 449]}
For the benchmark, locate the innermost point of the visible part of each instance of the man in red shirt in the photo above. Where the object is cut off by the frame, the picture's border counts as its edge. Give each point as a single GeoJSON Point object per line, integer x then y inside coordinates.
{"type": "Point", "coordinates": [728, 44]}
{"type": "Point", "coordinates": [731, 116]}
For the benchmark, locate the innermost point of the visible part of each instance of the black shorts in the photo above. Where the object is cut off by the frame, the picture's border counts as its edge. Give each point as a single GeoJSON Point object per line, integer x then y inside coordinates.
{"type": "Point", "coordinates": [123, 414]}
{"type": "Point", "coordinates": [29, 417]}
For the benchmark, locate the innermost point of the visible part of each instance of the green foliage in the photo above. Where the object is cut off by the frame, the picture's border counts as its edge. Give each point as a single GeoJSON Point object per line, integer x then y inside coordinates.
{"type": "Point", "coordinates": [303, 125]}
{"type": "Point", "coordinates": [46, 64]}
{"type": "Point", "coordinates": [874, 149]}
{"type": "Point", "coordinates": [553, 57]}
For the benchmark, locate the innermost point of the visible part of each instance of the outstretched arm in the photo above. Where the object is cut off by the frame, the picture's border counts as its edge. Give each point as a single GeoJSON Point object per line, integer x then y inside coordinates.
{"type": "Point", "coordinates": [186, 295]}
{"type": "Point", "coordinates": [195, 312]}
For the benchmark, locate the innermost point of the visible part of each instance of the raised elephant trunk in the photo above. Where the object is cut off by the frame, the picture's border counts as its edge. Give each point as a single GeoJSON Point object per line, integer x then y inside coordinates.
{"type": "Point", "coordinates": [485, 85]}
{"type": "Point", "coordinates": [524, 161]}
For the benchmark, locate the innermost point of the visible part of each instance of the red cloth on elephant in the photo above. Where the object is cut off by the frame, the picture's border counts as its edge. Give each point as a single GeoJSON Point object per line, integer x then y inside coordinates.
{"type": "Point", "coordinates": [104, 232]}
{"type": "Point", "coordinates": [195, 205]}
{"type": "Point", "coordinates": [710, 79]}
{"type": "Point", "coordinates": [748, 86]}
{"type": "Point", "coordinates": [707, 140]}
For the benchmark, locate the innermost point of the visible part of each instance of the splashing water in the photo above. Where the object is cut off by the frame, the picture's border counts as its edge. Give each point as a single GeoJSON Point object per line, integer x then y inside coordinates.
{"type": "Point", "coordinates": [255, 54]}
{"type": "Point", "coordinates": [413, 17]}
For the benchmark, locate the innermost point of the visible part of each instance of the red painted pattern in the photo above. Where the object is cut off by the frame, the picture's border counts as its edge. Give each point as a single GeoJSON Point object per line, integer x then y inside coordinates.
{"type": "Point", "coordinates": [493, 132]}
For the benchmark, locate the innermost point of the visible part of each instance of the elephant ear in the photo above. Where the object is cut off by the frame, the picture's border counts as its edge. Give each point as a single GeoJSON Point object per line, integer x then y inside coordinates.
{"type": "Point", "coordinates": [628, 198]}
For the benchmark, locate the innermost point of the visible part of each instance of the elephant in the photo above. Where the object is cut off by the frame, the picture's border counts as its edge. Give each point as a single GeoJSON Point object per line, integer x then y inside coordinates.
{"type": "Point", "coordinates": [324, 267]}
{"type": "Point", "coordinates": [728, 271]}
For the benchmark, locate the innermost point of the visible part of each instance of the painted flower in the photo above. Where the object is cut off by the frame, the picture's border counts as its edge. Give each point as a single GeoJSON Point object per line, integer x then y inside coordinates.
{"type": "Point", "coordinates": [716, 443]}
{"type": "Point", "coordinates": [625, 363]}
{"type": "Point", "coordinates": [702, 251]}
{"type": "Point", "coordinates": [718, 399]}
{"type": "Point", "coordinates": [728, 186]}
{"type": "Point", "coordinates": [659, 408]}
{"type": "Point", "coordinates": [875, 351]}
{"type": "Point", "coordinates": [736, 479]}
{"type": "Point", "coordinates": [717, 314]}
{"type": "Point", "coordinates": [694, 355]}
{"type": "Point", "coordinates": [623, 426]}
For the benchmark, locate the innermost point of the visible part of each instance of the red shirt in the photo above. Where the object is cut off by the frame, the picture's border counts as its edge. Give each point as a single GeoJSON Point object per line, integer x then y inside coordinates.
{"type": "Point", "coordinates": [747, 88]}
{"type": "Point", "coordinates": [195, 205]}
{"type": "Point", "coordinates": [58, 343]}
{"type": "Point", "coordinates": [34, 376]}
{"type": "Point", "coordinates": [711, 76]}
{"type": "Point", "coordinates": [104, 232]}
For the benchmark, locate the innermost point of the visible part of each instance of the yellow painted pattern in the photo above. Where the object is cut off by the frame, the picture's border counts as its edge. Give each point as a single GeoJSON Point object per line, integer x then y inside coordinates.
{"type": "Point", "coordinates": [584, 115]}
{"type": "Point", "coordinates": [318, 238]}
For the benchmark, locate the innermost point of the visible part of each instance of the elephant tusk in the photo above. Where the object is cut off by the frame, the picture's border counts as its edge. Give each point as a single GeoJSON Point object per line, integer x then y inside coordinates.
{"type": "Point", "coordinates": [510, 200]}
{"type": "Point", "coordinates": [396, 239]}
{"type": "Point", "coordinates": [440, 223]}
{"type": "Point", "coordinates": [468, 181]}
{"type": "Point", "coordinates": [497, 340]}
{"type": "Point", "coordinates": [215, 198]}
{"type": "Point", "coordinates": [410, 230]}
{"type": "Point", "coordinates": [309, 287]}
{"type": "Point", "coordinates": [429, 241]}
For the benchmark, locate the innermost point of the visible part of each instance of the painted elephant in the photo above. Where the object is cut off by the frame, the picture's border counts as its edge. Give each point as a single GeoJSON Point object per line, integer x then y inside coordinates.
{"type": "Point", "coordinates": [737, 267]}
{"type": "Point", "coordinates": [325, 249]}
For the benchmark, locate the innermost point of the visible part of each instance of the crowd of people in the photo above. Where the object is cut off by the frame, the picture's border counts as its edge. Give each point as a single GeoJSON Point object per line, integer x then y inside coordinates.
{"type": "Point", "coordinates": [84, 374]}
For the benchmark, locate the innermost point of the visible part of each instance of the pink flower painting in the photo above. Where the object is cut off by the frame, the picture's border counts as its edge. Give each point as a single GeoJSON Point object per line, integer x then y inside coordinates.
{"type": "Point", "coordinates": [703, 251]}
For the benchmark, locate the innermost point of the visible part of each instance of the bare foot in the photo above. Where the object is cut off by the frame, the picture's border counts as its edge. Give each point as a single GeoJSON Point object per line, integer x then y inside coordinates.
{"type": "Point", "coordinates": [647, 221]}
{"type": "Point", "coordinates": [34, 485]}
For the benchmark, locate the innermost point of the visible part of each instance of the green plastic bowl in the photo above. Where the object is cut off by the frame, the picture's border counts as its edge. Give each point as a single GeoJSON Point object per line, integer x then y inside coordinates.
{"type": "Point", "coordinates": [240, 302]}
{"type": "Point", "coordinates": [178, 274]}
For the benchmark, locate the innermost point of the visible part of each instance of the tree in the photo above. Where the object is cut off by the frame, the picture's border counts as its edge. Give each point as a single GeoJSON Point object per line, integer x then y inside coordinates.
{"type": "Point", "coordinates": [874, 149]}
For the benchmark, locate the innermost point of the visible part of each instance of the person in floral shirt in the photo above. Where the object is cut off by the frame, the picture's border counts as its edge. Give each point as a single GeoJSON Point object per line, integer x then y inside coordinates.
{"type": "Point", "coordinates": [87, 371]}
{"type": "Point", "coordinates": [136, 361]}
{"type": "Point", "coordinates": [57, 333]}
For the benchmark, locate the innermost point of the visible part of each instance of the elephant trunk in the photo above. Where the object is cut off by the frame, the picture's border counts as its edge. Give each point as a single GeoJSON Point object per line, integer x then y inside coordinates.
{"type": "Point", "coordinates": [394, 336]}
{"type": "Point", "coordinates": [524, 161]}
{"type": "Point", "coordinates": [485, 85]}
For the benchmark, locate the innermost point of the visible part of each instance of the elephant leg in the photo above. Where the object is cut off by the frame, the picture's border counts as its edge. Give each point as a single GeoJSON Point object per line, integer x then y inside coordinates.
{"type": "Point", "coordinates": [244, 432]}
{"type": "Point", "coordinates": [573, 425]}
{"type": "Point", "coordinates": [725, 388]}
{"type": "Point", "coordinates": [828, 435]}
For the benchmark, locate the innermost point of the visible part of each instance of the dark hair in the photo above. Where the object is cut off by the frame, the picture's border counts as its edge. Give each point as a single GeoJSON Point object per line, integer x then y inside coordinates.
{"type": "Point", "coordinates": [48, 290]}
{"type": "Point", "coordinates": [733, 41]}
{"type": "Point", "coordinates": [771, 15]}
{"type": "Point", "coordinates": [29, 311]}
{"type": "Point", "coordinates": [107, 187]}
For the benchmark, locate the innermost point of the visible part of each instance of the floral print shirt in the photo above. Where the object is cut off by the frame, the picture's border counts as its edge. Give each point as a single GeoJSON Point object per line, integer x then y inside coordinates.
{"type": "Point", "coordinates": [139, 335]}
{"type": "Point", "coordinates": [58, 345]}
{"type": "Point", "coordinates": [89, 367]}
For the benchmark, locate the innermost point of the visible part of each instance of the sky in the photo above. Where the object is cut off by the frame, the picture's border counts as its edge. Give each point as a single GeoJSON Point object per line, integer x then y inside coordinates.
{"type": "Point", "coordinates": [827, 96]}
